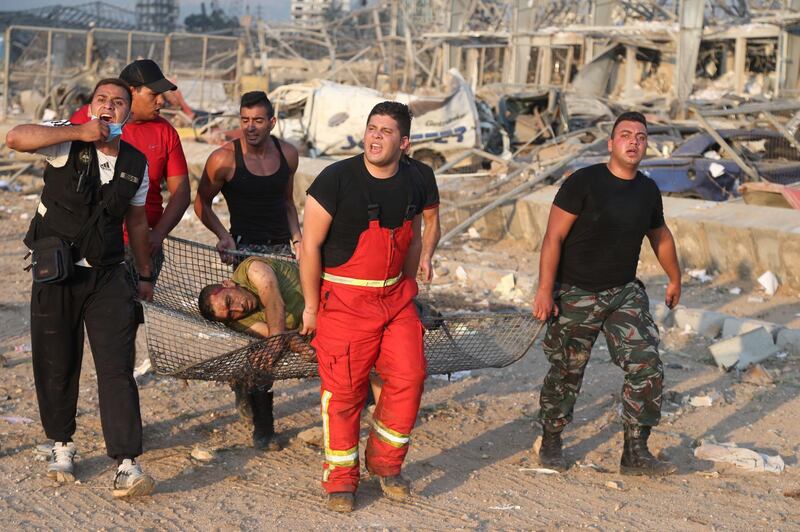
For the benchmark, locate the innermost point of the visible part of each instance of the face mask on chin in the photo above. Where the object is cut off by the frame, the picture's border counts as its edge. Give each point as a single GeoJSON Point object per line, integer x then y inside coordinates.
{"type": "Point", "coordinates": [114, 128]}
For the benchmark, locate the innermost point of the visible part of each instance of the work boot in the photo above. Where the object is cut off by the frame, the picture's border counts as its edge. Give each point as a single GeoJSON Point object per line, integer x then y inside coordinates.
{"type": "Point", "coordinates": [131, 481]}
{"type": "Point", "coordinates": [550, 454]}
{"type": "Point", "coordinates": [395, 487]}
{"type": "Point", "coordinates": [243, 406]}
{"type": "Point", "coordinates": [62, 462]}
{"type": "Point", "coordinates": [342, 502]}
{"type": "Point", "coordinates": [263, 420]}
{"type": "Point", "coordinates": [636, 457]}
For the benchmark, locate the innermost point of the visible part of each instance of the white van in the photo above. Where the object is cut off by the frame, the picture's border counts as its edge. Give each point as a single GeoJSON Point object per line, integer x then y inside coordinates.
{"type": "Point", "coordinates": [329, 118]}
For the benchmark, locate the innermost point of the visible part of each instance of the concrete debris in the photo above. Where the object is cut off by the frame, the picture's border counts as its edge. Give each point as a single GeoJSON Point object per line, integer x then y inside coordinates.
{"type": "Point", "coordinates": [539, 470]}
{"type": "Point", "coordinates": [457, 376]}
{"type": "Point", "coordinates": [705, 400]}
{"type": "Point", "coordinates": [700, 275]}
{"type": "Point", "coordinates": [735, 326]}
{"type": "Point", "coordinates": [473, 233]}
{"type": "Point", "coordinates": [735, 291]}
{"type": "Point", "coordinates": [662, 315]}
{"type": "Point", "coordinates": [614, 484]}
{"type": "Point", "coordinates": [16, 420]}
{"type": "Point", "coordinates": [143, 369]}
{"type": "Point", "coordinates": [461, 273]}
{"type": "Point", "coordinates": [757, 375]}
{"type": "Point", "coordinates": [506, 286]}
{"type": "Point", "coordinates": [313, 436]}
{"type": "Point", "coordinates": [201, 454]}
{"type": "Point", "coordinates": [740, 457]}
{"type": "Point", "coordinates": [770, 282]}
{"type": "Point", "coordinates": [789, 340]}
{"type": "Point", "coordinates": [744, 349]}
{"type": "Point", "coordinates": [705, 322]}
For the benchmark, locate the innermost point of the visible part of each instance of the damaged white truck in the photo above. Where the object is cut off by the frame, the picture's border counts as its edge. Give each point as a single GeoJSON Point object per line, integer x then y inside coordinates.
{"type": "Point", "coordinates": [328, 119]}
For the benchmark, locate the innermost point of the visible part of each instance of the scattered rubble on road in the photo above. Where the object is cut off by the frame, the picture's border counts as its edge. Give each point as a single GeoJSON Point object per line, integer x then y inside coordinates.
{"type": "Point", "coordinates": [740, 457]}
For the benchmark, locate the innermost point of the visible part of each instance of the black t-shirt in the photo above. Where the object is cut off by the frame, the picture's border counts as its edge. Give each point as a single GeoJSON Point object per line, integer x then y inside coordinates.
{"type": "Point", "coordinates": [339, 189]}
{"type": "Point", "coordinates": [602, 248]}
{"type": "Point", "coordinates": [428, 181]}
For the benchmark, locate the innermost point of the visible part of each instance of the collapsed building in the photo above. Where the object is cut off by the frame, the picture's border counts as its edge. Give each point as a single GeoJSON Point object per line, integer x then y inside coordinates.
{"type": "Point", "coordinates": [523, 91]}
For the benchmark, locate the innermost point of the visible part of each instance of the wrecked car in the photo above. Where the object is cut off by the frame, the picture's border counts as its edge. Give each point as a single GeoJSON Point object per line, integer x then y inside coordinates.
{"type": "Point", "coordinates": [329, 118]}
{"type": "Point", "coordinates": [699, 168]}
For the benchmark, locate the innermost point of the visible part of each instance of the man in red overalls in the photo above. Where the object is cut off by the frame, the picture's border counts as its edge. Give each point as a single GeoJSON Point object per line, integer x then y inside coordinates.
{"type": "Point", "coordinates": [362, 239]}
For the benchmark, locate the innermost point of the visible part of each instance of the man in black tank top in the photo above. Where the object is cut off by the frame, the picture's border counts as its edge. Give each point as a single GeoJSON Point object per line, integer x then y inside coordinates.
{"type": "Point", "coordinates": [255, 174]}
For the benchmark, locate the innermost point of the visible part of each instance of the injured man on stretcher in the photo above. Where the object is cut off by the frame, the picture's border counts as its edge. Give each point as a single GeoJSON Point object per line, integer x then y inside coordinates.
{"type": "Point", "coordinates": [263, 298]}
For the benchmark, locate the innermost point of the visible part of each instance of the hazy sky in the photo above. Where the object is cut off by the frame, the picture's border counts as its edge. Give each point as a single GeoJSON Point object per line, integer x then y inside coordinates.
{"type": "Point", "coordinates": [270, 9]}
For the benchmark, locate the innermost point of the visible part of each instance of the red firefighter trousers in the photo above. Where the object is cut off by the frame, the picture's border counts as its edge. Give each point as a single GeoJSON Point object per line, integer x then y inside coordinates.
{"type": "Point", "coordinates": [359, 328]}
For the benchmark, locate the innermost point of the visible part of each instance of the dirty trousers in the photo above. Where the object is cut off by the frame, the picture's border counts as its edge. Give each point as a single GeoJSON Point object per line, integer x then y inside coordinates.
{"type": "Point", "coordinates": [623, 314]}
{"type": "Point", "coordinates": [358, 329]}
{"type": "Point", "coordinates": [101, 299]}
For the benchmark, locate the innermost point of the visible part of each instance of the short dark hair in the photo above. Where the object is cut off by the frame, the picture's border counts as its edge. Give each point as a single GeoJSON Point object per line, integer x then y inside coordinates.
{"type": "Point", "coordinates": [254, 98]}
{"type": "Point", "coordinates": [629, 116]}
{"type": "Point", "coordinates": [204, 301]}
{"type": "Point", "coordinates": [112, 81]}
{"type": "Point", "coordinates": [399, 111]}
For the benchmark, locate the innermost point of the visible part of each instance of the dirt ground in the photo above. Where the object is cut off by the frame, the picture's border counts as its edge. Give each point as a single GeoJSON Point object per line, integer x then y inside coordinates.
{"type": "Point", "coordinates": [470, 457]}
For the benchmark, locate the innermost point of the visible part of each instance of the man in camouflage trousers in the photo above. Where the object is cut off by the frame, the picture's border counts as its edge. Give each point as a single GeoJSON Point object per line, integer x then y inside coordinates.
{"type": "Point", "coordinates": [587, 283]}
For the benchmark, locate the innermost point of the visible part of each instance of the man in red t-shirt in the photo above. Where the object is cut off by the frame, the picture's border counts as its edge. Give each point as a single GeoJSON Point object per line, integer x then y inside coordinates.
{"type": "Point", "coordinates": [159, 142]}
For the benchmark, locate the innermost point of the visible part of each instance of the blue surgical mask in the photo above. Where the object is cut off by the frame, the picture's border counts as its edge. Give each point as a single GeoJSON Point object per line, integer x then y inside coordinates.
{"type": "Point", "coordinates": [114, 128]}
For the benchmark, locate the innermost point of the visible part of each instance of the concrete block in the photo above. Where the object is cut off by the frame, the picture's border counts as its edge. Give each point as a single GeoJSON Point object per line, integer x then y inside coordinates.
{"type": "Point", "coordinates": [743, 350]}
{"type": "Point", "coordinates": [484, 276]}
{"type": "Point", "coordinates": [789, 340]}
{"type": "Point", "coordinates": [705, 322]}
{"type": "Point", "coordinates": [732, 250]}
{"type": "Point", "coordinates": [527, 284]}
{"type": "Point", "coordinates": [506, 285]}
{"type": "Point", "coordinates": [690, 240]}
{"type": "Point", "coordinates": [789, 273]}
{"type": "Point", "coordinates": [736, 326]}
{"type": "Point", "coordinates": [662, 315]}
{"type": "Point", "coordinates": [768, 249]}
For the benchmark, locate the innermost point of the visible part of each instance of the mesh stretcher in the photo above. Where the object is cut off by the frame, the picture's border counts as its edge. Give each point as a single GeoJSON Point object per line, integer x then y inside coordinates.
{"type": "Point", "coordinates": [182, 344]}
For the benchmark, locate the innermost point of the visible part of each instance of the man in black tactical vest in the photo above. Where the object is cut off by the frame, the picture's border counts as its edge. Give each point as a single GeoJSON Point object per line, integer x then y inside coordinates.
{"type": "Point", "coordinates": [93, 181]}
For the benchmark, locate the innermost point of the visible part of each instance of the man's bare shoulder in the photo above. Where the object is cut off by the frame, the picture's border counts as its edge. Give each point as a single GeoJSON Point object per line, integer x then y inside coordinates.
{"type": "Point", "coordinates": [224, 153]}
{"type": "Point", "coordinates": [221, 163]}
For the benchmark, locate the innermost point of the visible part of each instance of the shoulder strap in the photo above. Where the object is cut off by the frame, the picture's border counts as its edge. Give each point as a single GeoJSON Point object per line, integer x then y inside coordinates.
{"type": "Point", "coordinates": [280, 151]}
{"type": "Point", "coordinates": [238, 155]}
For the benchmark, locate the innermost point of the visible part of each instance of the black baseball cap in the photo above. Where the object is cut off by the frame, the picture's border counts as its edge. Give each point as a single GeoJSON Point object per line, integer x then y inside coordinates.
{"type": "Point", "coordinates": [145, 72]}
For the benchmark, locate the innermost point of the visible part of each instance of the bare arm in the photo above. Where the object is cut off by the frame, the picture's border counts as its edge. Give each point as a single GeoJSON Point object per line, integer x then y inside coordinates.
{"type": "Point", "coordinates": [663, 244]}
{"type": "Point", "coordinates": [430, 239]}
{"type": "Point", "coordinates": [264, 279]}
{"type": "Point", "coordinates": [292, 159]}
{"type": "Point", "coordinates": [33, 137]}
{"type": "Point", "coordinates": [179, 199]}
{"type": "Point", "coordinates": [558, 227]}
{"type": "Point", "coordinates": [218, 169]}
{"type": "Point", "coordinates": [411, 264]}
{"type": "Point", "coordinates": [316, 222]}
{"type": "Point", "coordinates": [136, 222]}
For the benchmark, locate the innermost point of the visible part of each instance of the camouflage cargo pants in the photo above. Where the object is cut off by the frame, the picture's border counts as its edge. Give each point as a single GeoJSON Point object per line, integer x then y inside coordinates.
{"type": "Point", "coordinates": [623, 314]}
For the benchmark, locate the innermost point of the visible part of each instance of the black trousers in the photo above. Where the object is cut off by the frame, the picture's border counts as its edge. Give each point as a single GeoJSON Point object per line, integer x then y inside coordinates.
{"type": "Point", "coordinates": [100, 298]}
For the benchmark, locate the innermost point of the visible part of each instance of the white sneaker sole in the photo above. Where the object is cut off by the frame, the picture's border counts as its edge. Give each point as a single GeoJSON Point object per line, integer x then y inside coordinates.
{"type": "Point", "coordinates": [61, 476]}
{"type": "Point", "coordinates": [144, 486]}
